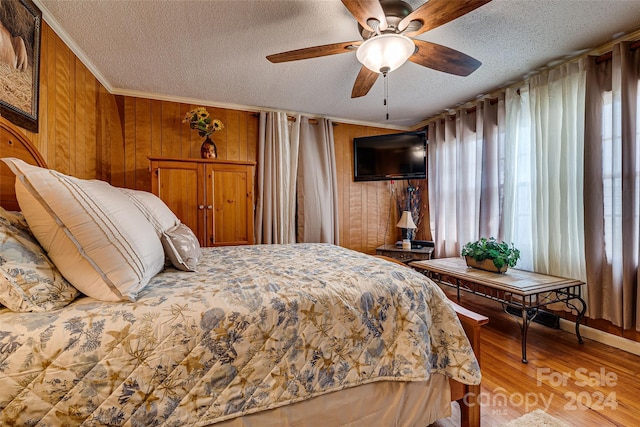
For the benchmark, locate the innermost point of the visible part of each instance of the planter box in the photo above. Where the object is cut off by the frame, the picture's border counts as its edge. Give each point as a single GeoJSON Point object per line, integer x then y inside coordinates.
{"type": "Point", "coordinates": [485, 264]}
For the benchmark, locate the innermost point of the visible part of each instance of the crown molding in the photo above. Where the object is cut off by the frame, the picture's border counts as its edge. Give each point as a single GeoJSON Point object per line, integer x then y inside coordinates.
{"type": "Point", "coordinates": [57, 28]}
{"type": "Point", "coordinates": [240, 107]}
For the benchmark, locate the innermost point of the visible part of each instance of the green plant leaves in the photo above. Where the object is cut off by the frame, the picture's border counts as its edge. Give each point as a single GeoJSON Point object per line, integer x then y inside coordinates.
{"type": "Point", "coordinates": [489, 248]}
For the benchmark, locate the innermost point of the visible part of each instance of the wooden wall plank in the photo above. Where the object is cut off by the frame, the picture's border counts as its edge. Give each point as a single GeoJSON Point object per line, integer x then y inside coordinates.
{"type": "Point", "coordinates": [118, 126]}
{"type": "Point", "coordinates": [234, 134]}
{"type": "Point", "coordinates": [156, 129]}
{"type": "Point", "coordinates": [104, 123]}
{"type": "Point", "coordinates": [142, 147]}
{"type": "Point", "coordinates": [91, 120]}
{"type": "Point", "coordinates": [172, 129]}
{"type": "Point", "coordinates": [79, 138]}
{"type": "Point", "coordinates": [61, 153]}
{"type": "Point", "coordinates": [129, 153]}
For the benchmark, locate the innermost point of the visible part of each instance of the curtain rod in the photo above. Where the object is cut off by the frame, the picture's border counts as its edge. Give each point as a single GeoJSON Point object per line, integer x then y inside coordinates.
{"type": "Point", "coordinates": [290, 118]}
{"type": "Point", "coordinates": [607, 56]}
{"type": "Point", "coordinates": [603, 51]}
{"type": "Point", "coordinates": [311, 121]}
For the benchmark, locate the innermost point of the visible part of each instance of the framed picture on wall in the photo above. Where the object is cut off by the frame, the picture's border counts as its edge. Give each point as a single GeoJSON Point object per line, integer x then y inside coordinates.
{"type": "Point", "coordinates": [20, 25]}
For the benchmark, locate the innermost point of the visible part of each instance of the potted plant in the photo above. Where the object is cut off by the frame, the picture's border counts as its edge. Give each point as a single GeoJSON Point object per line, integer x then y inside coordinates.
{"type": "Point", "coordinates": [489, 254]}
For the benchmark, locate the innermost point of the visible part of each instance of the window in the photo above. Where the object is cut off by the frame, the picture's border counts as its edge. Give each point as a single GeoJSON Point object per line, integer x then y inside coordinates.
{"type": "Point", "coordinates": [613, 177]}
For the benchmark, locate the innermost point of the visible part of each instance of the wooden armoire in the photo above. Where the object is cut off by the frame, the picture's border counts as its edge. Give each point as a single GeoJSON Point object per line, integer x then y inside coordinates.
{"type": "Point", "coordinates": [213, 197]}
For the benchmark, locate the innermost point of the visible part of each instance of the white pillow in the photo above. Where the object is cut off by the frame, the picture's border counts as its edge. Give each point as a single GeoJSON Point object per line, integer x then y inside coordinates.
{"type": "Point", "coordinates": [95, 235]}
{"type": "Point", "coordinates": [153, 208]}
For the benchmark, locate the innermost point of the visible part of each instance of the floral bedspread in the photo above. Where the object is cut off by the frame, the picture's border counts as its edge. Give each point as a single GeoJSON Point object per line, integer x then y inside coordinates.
{"type": "Point", "coordinates": [256, 327]}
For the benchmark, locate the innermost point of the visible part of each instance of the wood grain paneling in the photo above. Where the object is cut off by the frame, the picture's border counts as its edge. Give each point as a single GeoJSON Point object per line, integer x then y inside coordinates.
{"type": "Point", "coordinates": [368, 210]}
{"type": "Point", "coordinates": [154, 128]}
{"type": "Point", "coordinates": [71, 111]}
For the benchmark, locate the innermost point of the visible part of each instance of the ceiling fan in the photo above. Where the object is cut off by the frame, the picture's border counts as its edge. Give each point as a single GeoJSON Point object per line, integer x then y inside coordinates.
{"type": "Point", "coordinates": [387, 28]}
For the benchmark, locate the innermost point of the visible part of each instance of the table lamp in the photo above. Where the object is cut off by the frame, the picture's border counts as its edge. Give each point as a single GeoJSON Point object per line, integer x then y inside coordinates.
{"type": "Point", "coordinates": [406, 223]}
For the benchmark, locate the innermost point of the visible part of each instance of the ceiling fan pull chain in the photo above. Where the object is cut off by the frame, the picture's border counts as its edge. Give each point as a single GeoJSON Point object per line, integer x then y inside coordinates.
{"type": "Point", "coordinates": [386, 93]}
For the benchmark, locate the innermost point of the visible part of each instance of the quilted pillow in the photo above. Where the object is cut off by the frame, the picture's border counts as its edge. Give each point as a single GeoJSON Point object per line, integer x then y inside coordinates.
{"type": "Point", "coordinates": [182, 247]}
{"type": "Point", "coordinates": [153, 208]}
{"type": "Point", "coordinates": [101, 243]}
{"type": "Point", "coordinates": [28, 279]}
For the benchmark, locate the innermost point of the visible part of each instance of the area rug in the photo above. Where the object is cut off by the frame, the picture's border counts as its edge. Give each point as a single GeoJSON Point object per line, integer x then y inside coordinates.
{"type": "Point", "coordinates": [537, 418]}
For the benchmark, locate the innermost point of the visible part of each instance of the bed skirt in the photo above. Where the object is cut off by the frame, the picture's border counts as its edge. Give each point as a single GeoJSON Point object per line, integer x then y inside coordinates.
{"type": "Point", "coordinates": [378, 404]}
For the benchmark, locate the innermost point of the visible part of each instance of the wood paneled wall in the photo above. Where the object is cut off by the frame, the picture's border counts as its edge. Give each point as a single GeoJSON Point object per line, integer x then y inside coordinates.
{"type": "Point", "coordinates": [155, 128]}
{"type": "Point", "coordinates": [71, 98]}
{"type": "Point", "coordinates": [368, 210]}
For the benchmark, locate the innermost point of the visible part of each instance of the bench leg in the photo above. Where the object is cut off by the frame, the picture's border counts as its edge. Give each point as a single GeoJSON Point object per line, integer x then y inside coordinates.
{"type": "Point", "coordinates": [581, 311]}
{"type": "Point", "coordinates": [524, 328]}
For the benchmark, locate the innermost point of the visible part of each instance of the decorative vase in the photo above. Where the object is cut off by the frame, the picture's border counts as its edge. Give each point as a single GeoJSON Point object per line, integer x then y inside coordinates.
{"type": "Point", "coordinates": [208, 149]}
{"type": "Point", "coordinates": [485, 264]}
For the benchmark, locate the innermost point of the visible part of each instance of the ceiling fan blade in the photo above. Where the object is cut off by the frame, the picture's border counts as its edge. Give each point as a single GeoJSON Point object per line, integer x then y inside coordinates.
{"type": "Point", "coordinates": [363, 10]}
{"type": "Point", "coordinates": [313, 52]}
{"type": "Point", "coordinates": [443, 58]}
{"type": "Point", "coordinates": [434, 13]}
{"type": "Point", "coordinates": [365, 80]}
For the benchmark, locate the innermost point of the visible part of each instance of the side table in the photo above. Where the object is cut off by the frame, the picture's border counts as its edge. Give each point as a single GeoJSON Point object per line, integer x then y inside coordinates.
{"type": "Point", "coordinates": [404, 255]}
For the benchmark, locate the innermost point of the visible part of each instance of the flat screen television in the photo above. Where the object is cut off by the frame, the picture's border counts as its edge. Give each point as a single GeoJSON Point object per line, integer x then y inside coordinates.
{"type": "Point", "coordinates": [394, 156]}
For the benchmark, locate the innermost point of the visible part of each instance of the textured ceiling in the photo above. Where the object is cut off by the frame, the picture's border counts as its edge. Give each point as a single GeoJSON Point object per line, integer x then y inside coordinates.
{"type": "Point", "coordinates": [213, 52]}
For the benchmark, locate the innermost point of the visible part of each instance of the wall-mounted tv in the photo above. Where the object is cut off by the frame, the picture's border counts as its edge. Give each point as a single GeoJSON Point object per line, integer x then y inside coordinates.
{"type": "Point", "coordinates": [394, 156]}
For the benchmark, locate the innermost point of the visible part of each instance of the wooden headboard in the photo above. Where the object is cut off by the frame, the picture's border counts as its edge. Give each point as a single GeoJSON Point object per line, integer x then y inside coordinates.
{"type": "Point", "coordinates": [13, 143]}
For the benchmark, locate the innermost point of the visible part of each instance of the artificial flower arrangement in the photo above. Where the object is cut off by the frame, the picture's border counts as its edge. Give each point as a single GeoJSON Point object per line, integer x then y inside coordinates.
{"type": "Point", "coordinates": [200, 120]}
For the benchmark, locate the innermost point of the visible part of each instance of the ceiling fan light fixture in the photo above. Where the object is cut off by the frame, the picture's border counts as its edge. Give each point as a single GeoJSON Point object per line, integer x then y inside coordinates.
{"type": "Point", "coordinates": [386, 52]}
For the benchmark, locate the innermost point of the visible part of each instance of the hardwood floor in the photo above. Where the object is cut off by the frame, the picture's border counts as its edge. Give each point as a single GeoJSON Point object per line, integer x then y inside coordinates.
{"type": "Point", "coordinates": [583, 385]}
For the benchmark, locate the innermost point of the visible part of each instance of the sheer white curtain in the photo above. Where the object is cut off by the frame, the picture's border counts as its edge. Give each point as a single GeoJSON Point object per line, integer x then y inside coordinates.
{"type": "Point", "coordinates": [317, 185]}
{"type": "Point", "coordinates": [612, 202]}
{"type": "Point", "coordinates": [492, 181]}
{"type": "Point", "coordinates": [279, 139]}
{"type": "Point", "coordinates": [516, 212]}
{"type": "Point", "coordinates": [544, 171]}
{"type": "Point", "coordinates": [465, 187]}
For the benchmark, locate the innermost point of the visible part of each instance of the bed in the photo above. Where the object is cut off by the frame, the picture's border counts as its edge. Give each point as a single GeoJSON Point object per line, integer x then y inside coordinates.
{"type": "Point", "coordinates": [263, 335]}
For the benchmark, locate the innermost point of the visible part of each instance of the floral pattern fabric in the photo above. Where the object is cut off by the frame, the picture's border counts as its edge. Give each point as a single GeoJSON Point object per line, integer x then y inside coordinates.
{"type": "Point", "coordinates": [28, 279]}
{"type": "Point", "coordinates": [256, 327]}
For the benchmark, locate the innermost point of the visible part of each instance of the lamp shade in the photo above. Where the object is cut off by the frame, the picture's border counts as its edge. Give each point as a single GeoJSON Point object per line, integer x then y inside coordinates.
{"type": "Point", "coordinates": [386, 52]}
{"type": "Point", "coordinates": [406, 221]}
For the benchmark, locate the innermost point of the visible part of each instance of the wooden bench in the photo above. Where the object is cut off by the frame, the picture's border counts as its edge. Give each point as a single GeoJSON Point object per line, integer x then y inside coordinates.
{"type": "Point", "coordinates": [523, 290]}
